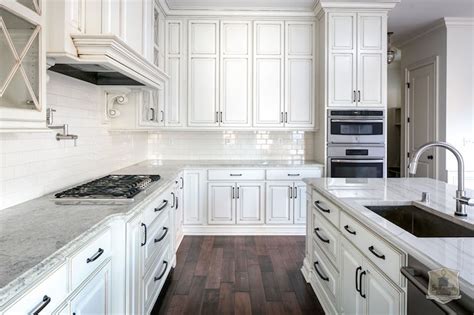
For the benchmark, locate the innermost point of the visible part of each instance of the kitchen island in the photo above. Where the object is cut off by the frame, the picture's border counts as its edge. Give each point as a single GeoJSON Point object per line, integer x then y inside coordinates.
{"type": "Point", "coordinates": [339, 223]}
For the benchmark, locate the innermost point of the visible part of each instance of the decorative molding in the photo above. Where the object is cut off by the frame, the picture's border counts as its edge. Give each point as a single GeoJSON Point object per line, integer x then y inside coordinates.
{"type": "Point", "coordinates": [325, 5]}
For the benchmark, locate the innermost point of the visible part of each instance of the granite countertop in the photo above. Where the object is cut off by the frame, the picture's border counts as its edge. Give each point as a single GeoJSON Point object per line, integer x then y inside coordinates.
{"type": "Point", "coordinates": [38, 234]}
{"type": "Point", "coordinates": [353, 194]}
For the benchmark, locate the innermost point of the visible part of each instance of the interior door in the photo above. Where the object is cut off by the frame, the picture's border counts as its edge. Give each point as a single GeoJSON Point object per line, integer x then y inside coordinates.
{"type": "Point", "coordinates": [222, 203]}
{"type": "Point", "coordinates": [279, 205]}
{"type": "Point", "coordinates": [351, 301]}
{"type": "Point", "coordinates": [250, 203]}
{"type": "Point", "coordinates": [421, 92]}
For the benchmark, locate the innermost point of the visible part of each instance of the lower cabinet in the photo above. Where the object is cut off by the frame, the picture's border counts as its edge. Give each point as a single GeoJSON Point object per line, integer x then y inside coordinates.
{"type": "Point", "coordinates": [235, 202]}
{"type": "Point", "coordinates": [95, 296]}
{"type": "Point", "coordinates": [286, 202]}
{"type": "Point", "coordinates": [194, 196]}
{"type": "Point", "coordinates": [364, 289]}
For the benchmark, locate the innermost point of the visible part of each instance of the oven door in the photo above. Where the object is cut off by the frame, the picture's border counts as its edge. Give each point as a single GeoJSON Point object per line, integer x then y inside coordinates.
{"type": "Point", "coordinates": [355, 168]}
{"type": "Point", "coordinates": [356, 131]}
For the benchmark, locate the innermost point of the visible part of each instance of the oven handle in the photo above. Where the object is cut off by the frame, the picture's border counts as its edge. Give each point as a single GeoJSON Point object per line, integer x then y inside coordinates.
{"type": "Point", "coordinates": [357, 161]}
{"type": "Point", "coordinates": [411, 274]}
{"type": "Point", "coordinates": [358, 120]}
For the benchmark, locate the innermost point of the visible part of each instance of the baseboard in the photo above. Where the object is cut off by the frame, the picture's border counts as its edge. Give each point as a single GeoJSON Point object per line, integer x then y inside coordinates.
{"type": "Point", "coordinates": [244, 230]}
{"type": "Point", "coordinates": [306, 269]}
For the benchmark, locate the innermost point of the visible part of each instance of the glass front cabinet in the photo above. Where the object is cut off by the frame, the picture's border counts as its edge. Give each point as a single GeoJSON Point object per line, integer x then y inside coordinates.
{"type": "Point", "coordinates": [22, 66]}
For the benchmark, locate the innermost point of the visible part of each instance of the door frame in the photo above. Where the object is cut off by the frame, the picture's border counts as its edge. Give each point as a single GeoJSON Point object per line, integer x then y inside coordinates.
{"type": "Point", "coordinates": [404, 160]}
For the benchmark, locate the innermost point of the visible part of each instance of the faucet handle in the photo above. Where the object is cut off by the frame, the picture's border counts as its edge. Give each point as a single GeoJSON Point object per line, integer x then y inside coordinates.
{"type": "Point", "coordinates": [425, 197]}
{"type": "Point", "coordinates": [465, 200]}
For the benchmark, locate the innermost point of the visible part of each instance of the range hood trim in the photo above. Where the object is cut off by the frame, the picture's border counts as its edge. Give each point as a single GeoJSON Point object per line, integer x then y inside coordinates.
{"type": "Point", "coordinates": [113, 53]}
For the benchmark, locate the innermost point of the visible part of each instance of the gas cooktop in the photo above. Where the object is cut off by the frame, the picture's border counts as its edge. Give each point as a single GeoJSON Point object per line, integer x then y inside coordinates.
{"type": "Point", "coordinates": [111, 189]}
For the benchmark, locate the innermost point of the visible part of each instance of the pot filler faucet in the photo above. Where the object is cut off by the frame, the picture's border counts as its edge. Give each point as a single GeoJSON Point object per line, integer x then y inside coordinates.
{"type": "Point", "coordinates": [461, 199]}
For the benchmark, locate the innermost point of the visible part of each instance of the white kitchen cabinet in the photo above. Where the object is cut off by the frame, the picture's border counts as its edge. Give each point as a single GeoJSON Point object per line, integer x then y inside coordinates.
{"type": "Point", "coordinates": [268, 76]}
{"type": "Point", "coordinates": [350, 299]}
{"type": "Point", "coordinates": [203, 75]}
{"type": "Point", "coordinates": [134, 239]}
{"type": "Point", "coordinates": [285, 202]}
{"type": "Point", "coordinates": [95, 297]}
{"type": "Point", "coordinates": [221, 203]}
{"type": "Point", "coordinates": [195, 196]}
{"type": "Point", "coordinates": [23, 70]}
{"type": "Point", "coordinates": [235, 74]}
{"type": "Point", "coordinates": [299, 74]}
{"type": "Point", "coordinates": [250, 205]}
{"type": "Point", "coordinates": [357, 66]}
{"type": "Point", "coordinates": [178, 212]}
{"type": "Point", "coordinates": [299, 202]}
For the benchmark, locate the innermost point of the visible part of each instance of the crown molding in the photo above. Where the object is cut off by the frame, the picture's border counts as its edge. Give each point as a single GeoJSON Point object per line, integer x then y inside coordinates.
{"type": "Point", "coordinates": [324, 5]}
{"type": "Point", "coordinates": [458, 22]}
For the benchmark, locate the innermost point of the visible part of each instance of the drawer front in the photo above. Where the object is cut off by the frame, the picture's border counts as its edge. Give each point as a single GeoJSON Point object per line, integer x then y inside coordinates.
{"type": "Point", "coordinates": [159, 206]}
{"type": "Point", "coordinates": [90, 257]}
{"type": "Point", "coordinates": [326, 208]}
{"type": "Point", "coordinates": [326, 236]}
{"type": "Point", "coordinates": [236, 174]}
{"type": "Point", "coordinates": [158, 235]}
{"type": "Point", "coordinates": [155, 278]}
{"type": "Point", "coordinates": [380, 252]}
{"type": "Point", "coordinates": [324, 274]}
{"type": "Point", "coordinates": [44, 297]}
{"type": "Point", "coordinates": [292, 174]}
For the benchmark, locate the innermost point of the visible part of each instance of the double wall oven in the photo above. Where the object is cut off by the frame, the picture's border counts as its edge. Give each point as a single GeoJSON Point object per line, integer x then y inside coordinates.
{"type": "Point", "coordinates": [356, 143]}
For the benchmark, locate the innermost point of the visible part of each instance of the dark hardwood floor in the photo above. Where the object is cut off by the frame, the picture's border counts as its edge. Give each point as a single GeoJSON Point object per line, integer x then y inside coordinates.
{"type": "Point", "coordinates": [238, 275]}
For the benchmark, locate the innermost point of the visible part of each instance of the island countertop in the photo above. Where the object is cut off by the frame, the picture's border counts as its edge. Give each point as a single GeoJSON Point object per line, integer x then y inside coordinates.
{"type": "Point", "coordinates": [39, 234]}
{"type": "Point", "coordinates": [353, 194]}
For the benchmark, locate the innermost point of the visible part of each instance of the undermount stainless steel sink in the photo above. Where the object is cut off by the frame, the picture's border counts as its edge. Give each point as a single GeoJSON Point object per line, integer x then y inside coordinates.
{"type": "Point", "coordinates": [421, 223]}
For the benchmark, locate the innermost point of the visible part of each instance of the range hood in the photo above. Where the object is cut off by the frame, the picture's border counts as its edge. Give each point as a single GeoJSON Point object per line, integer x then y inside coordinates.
{"type": "Point", "coordinates": [107, 60]}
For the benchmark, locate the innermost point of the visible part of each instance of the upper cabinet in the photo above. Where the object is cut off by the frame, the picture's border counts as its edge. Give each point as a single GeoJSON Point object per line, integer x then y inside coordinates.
{"type": "Point", "coordinates": [22, 74]}
{"type": "Point", "coordinates": [357, 69]}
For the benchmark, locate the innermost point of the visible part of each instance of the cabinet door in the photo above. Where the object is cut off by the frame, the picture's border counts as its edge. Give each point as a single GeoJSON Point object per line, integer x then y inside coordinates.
{"type": "Point", "coordinates": [250, 203]}
{"type": "Point", "coordinates": [382, 296]}
{"type": "Point", "coordinates": [268, 74]}
{"type": "Point", "coordinates": [342, 59]}
{"type": "Point", "coordinates": [133, 279]}
{"type": "Point", "coordinates": [371, 63]}
{"type": "Point", "coordinates": [152, 111]}
{"type": "Point", "coordinates": [203, 75]}
{"type": "Point", "coordinates": [235, 86]}
{"type": "Point", "coordinates": [178, 220]}
{"type": "Point", "coordinates": [195, 196]}
{"type": "Point", "coordinates": [299, 202]}
{"type": "Point", "coordinates": [221, 203]}
{"type": "Point", "coordinates": [279, 205]}
{"type": "Point", "coordinates": [350, 300]}
{"type": "Point", "coordinates": [95, 297]}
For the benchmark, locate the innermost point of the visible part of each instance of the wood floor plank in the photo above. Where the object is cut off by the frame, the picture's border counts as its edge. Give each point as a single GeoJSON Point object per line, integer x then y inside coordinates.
{"type": "Point", "coordinates": [186, 278]}
{"type": "Point", "coordinates": [265, 263]}
{"type": "Point", "coordinates": [272, 292]}
{"type": "Point", "coordinates": [226, 299]}
{"type": "Point", "coordinates": [242, 303]}
{"type": "Point", "coordinates": [241, 281]}
{"type": "Point", "coordinates": [290, 303]}
{"type": "Point", "coordinates": [177, 305]}
{"type": "Point", "coordinates": [202, 266]}
{"type": "Point", "coordinates": [195, 297]}
{"type": "Point", "coordinates": [257, 292]}
{"type": "Point", "coordinates": [210, 302]}
{"type": "Point", "coordinates": [215, 269]}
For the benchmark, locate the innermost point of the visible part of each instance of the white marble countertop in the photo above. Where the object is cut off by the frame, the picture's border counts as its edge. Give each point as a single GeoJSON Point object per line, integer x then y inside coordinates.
{"type": "Point", "coordinates": [39, 234]}
{"type": "Point", "coordinates": [353, 194]}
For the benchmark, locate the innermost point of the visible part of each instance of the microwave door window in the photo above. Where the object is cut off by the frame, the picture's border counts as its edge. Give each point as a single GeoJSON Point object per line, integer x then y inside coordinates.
{"type": "Point", "coordinates": [356, 129]}
{"type": "Point", "coordinates": [356, 170]}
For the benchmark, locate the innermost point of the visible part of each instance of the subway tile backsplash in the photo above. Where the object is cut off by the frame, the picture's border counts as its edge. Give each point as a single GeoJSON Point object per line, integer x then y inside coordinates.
{"type": "Point", "coordinates": [231, 145]}
{"type": "Point", "coordinates": [34, 164]}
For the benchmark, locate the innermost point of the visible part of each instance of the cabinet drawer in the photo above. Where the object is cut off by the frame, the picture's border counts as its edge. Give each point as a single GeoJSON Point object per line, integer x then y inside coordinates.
{"type": "Point", "coordinates": [326, 236]}
{"type": "Point", "coordinates": [292, 174]}
{"type": "Point", "coordinates": [48, 294]}
{"type": "Point", "coordinates": [158, 206]}
{"type": "Point", "coordinates": [155, 278]}
{"type": "Point", "coordinates": [326, 208]}
{"type": "Point", "coordinates": [90, 257]}
{"type": "Point", "coordinates": [236, 174]}
{"type": "Point", "coordinates": [324, 274]}
{"type": "Point", "coordinates": [158, 235]}
{"type": "Point", "coordinates": [380, 252]}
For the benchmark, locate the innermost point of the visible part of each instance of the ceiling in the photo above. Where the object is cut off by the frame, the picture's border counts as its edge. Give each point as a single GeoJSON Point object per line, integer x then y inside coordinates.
{"type": "Point", "coordinates": [407, 17]}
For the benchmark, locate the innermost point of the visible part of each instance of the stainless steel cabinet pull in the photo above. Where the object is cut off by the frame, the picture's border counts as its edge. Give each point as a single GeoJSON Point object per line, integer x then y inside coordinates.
{"type": "Point", "coordinates": [95, 256]}
{"type": "Point", "coordinates": [162, 116]}
{"type": "Point", "coordinates": [290, 192]}
{"type": "Point", "coordinates": [235, 174]}
{"type": "Point", "coordinates": [346, 227]}
{"type": "Point", "coordinates": [159, 239]}
{"type": "Point", "coordinates": [173, 197]}
{"type": "Point", "coordinates": [354, 96]}
{"type": "Point", "coordinates": [221, 117]}
{"type": "Point", "coordinates": [363, 273]}
{"type": "Point", "coordinates": [286, 117]}
{"type": "Point", "coordinates": [152, 114]}
{"type": "Point", "coordinates": [162, 206]}
{"type": "Point", "coordinates": [325, 240]}
{"type": "Point", "coordinates": [145, 236]}
{"type": "Point", "coordinates": [373, 251]}
{"type": "Point", "coordinates": [182, 183]}
{"type": "Point", "coordinates": [163, 272]}
{"type": "Point", "coordinates": [317, 205]}
{"type": "Point", "coordinates": [238, 192]}
{"type": "Point", "coordinates": [281, 117]}
{"type": "Point", "coordinates": [233, 195]}
{"type": "Point", "coordinates": [46, 300]}
{"type": "Point", "coordinates": [295, 189]}
{"type": "Point", "coordinates": [358, 93]}
{"type": "Point", "coordinates": [217, 117]}
{"type": "Point", "coordinates": [293, 174]}
{"type": "Point", "coordinates": [316, 264]}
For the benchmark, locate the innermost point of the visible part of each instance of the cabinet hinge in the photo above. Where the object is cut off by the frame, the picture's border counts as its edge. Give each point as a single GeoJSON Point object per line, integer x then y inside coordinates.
{"type": "Point", "coordinates": [408, 85]}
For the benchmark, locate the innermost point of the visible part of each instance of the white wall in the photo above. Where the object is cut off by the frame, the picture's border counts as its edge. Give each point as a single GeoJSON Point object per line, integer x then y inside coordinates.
{"type": "Point", "coordinates": [231, 145]}
{"type": "Point", "coordinates": [33, 164]}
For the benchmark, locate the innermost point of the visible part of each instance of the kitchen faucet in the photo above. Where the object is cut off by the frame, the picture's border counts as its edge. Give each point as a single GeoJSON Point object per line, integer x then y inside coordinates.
{"type": "Point", "coordinates": [461, 199]}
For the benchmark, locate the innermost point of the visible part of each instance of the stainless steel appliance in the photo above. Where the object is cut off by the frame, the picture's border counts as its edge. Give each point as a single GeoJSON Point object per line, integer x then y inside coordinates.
{"type": "Point", "coordinates": [356, 126]}
{"type": "Point", "coordinates": [356, 161]}
{"type": "Point", "coordinates": [417, 288]}
{"type": "Point", "coordinates": [111, 189]}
